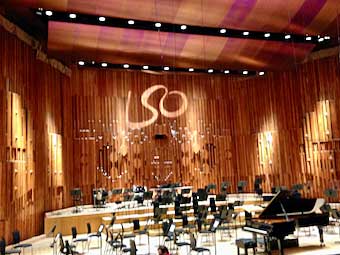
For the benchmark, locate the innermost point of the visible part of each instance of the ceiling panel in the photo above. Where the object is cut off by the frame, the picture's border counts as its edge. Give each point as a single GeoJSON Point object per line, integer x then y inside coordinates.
{"type": "Point", "coordinates": [119, 45]}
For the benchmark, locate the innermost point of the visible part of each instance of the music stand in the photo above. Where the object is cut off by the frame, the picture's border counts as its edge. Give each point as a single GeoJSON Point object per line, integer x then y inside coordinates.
{"type": "Point", "coordinates": [240, 186]}
{"type": "Point", "coordinates": [77, 198]}
{"type": "Point", "coordinates": [224, 187]}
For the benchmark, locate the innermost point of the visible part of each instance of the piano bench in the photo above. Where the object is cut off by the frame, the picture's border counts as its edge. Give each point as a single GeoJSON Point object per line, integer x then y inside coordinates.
{"type": "Point", "coordinates": [245, 244]}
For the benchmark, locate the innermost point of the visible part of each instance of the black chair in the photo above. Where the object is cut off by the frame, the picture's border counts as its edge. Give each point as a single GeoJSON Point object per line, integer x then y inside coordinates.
{"type": "Point", "coordinates": [193, 245]}
{"type": "Point", "coordinates": [116, 243]}
{"type": "Point", "coordinates": [186, 225]}
{"type": "Point", "coordinates": [180, 244]}
{"type": "Point", "coordinates": [76, 240]}
{"type": "Point", "coordinates": [132, 249]}
{"type": "Point", "coordinates": [212, 229]}
{"type": "Point", "coordinates": [66, 248]}
{"type": "Point", "coordinates": [97, 235]}
{"type": "Point", "coordinates": [3, 250]}
{"type": "Point", "coordinates": [139, 231]}
{"type": "Point", "coordinates": [18, 245]}
{"type": "Point", "coordinates": [127, 235]}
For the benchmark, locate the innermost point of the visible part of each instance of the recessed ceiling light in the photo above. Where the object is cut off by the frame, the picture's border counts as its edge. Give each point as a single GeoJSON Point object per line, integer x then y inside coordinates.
{"type": "Point", "coordinates": [245, 33]}
{"type": "Point", "coordinates": [223, 30]}
{"type": "Point", "coordinates": [81, 63]}
{"type": "Point", "coordinates": [308, 38]}
{"type": "Point", "coordinates": [158, 24]}
{"type": "Point", "coordinates": [226, 71]}
{"type": "Point", "coordinates": [267, 35]}
{"type": "Point", "coordinates": [104, 64]}
{"type": "Point", "coordinates": [72, 15]}
{"type": "Point", "coordinates": [245, 72]}
{"type": "Point", "coordinates": [287, 37]}
{"type": "Point", "coordinates": [131, 22]}
{"type": "Point", "coordinates": [191, 69]}
{"type": "Point", "coordinates": [145, 67]}
{"type": "Point", "coordinates": [126, 66]}
{"type": "Point", "coordinates": [93, 62]}
{"type": "Point", "coordinates": [210, 70]}
{"type": "Point", "coordinates": [183, 27]}
{"type": "Point", "coordinates": [102, 19]}
{"type": "Point", "coordinates": [166, 68]}
{"type": "Point", "coordinates": [261, 73]}
{"type": "Point", "coordinates": [48, 13]}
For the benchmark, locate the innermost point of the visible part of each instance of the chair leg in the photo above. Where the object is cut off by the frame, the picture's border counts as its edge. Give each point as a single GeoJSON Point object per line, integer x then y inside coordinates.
{"type": "Point", "coordinates": [246, 251]}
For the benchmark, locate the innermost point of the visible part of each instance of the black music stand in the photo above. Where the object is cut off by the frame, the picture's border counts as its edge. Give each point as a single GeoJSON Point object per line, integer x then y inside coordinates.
{"type": "Point", "coordinates": [77, 196]}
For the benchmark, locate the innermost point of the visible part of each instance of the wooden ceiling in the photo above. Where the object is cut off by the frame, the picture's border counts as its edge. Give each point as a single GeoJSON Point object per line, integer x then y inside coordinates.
{"type": "Point", "coordinates": [71, 42]}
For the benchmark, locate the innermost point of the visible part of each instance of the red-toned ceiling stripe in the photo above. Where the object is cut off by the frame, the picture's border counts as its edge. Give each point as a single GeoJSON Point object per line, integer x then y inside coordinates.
{"type": "Point", "coordinates": [305, 15]}
{"type": "Point", "coordinates": [302, 18]}
{"type": "Point", "coordinates": [236, 15]}
{"type": "Point", "coordinates": [238, 12]}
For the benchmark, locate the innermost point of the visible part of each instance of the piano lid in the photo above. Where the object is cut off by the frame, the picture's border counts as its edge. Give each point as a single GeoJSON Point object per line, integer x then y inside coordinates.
{"type": "Point", "coordinates": [285, 203]}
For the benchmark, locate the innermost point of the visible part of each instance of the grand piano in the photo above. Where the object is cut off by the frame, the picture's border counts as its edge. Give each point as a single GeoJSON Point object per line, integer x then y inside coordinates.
{"type": "Point", "coordinates": [285, 213]}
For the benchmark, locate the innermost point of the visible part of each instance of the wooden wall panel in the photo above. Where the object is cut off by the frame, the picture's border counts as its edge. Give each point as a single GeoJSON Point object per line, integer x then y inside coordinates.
{"type": "Point", "coordinates": [31, 101]}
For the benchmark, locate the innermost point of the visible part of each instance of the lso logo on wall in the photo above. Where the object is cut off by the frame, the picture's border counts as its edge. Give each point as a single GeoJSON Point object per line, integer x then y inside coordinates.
{"type": "Point", "coordinates": [144, 101]}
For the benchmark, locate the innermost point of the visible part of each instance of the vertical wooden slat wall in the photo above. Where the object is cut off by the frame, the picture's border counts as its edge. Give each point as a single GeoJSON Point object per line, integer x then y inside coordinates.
{"type": "Point", "coordinates": [56, 131]}
{"type": "Point", "coordinates": [35, 139]}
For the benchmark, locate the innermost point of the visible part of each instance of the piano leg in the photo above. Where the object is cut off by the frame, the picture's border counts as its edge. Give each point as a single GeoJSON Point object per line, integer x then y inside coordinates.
{"type": "Point", "coordinates": [280, 246]}
{"type": "Point", "coordinates": [321, 236]}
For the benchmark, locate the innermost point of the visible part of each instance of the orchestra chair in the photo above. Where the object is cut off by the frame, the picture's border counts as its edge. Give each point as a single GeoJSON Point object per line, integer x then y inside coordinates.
{"type": "Point", "coordinates": [114, 242]}
{"type": "Point", "coordinates": [137, 229]}
{"type": "Point", "coordinates": [246, 244]}
{"type": "Point", "coordinates": [169, 232]}
{"type": "Point", "coordinates": [193, 245]}
{"type": "Point", "coordinates": [226, 217]}
{"type": "Point", "coordinates": [76, 240]}
{"type": "Point", "coordinates": [132, 250]}
{"type": "Point", "coordinates": [97, 235]}
{"type": "Point", "coordinates": [65, 247]}
{"type": "Point", "coordinates": [185, 224]}
{"type": "Point", "coordinates": [18, 245]}
{"type": "Point", "coordinates": [180, 244]}
{"type": "Point", "coordinates": [3, 250]}
{"type": "Point", "coordinates": [127, 235]}
{"type": "Point", "coordinates": [211, 231]}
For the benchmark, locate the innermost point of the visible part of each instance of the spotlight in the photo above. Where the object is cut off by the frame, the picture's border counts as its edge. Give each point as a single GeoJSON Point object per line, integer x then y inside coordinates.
{"type": "Point", "coordinates": [210, 70]}
{"type": "Point", "coordinates": [145, 67]}
{"type": "Point", "coordinates": [308, 38]}
{"type": "Point", "coordinates": [261, 73]}
{"type": "Point", "coordinates": [245, 72]}
{"type": "Point", "coordinates": [287, 37]}
{"type": "Point", "coordinates": [102, 19]}
{"type": "Point", "coordinates": [223, 30]}
{"type": "Point", "coordinates": [131, 22]}
{"type": "Point", "coordinates": [327, 37]}
{"type": "Point", "coordinates": [183, 27]}
{"type": "Point", "coordinates": [267, 35]}
{"type": "Point", "coordinates": [226, 71]}
{"type": "Point", "coordinates": [48, 13]}
{"type": "Point", "coordinates": [166, 68]}
{"type": "Point", "coordinates": [245, 33]}
{"type": "Point", "coordinates": [158, 24]}
{"type": "Point", "coordinates": [81, 63]}
{"type": "Point", "coordinates": [191, 69]}
{"type": "Point", "coordinates": [104, 64]}
{"type": "Point", "coordinates": [93, 62]}
{"type": "Point", "coordinates": [321, 39]}
{"type": "Point", "coordinates": [126, 66]}
{"type": "Point", "coordinates": [72, 15]}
